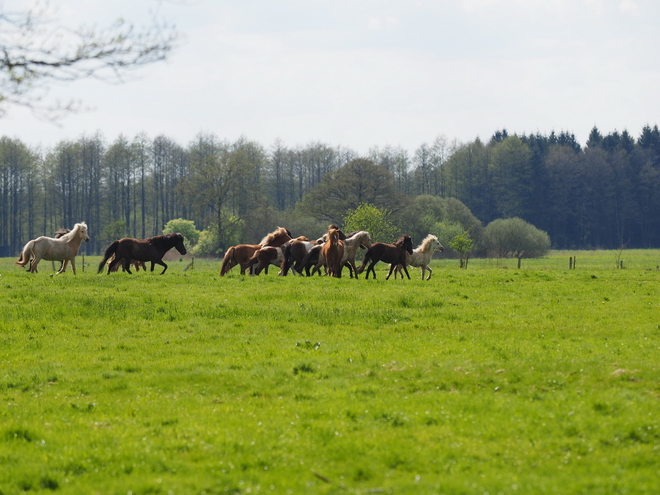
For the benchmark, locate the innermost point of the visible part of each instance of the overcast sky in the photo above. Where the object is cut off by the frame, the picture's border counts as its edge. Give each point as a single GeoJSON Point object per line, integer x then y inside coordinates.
{"type": "Point", "coordinates": [366, 73]}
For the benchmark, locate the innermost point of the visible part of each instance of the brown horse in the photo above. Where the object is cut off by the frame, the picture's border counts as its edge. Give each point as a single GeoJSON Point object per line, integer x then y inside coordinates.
{"type": "Point", "coordinates": [136, 264]}
{"type": "Point", "coordinates": [333, 252]}
{"type": "Point", "coordinates": [241, 253]}
{"type": "Point", "coordinates": [152, 249]}
{"type": "Point", "coordinates": [353, 241]}
{"type": "Point", "coordinates": [264, 257]}
{"type": "Point", "coordinates": [395, 254]}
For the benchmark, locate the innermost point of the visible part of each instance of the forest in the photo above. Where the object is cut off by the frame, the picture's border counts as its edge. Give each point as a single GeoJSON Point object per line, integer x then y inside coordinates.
{"type": "Point", "coordinates": [603, 194]}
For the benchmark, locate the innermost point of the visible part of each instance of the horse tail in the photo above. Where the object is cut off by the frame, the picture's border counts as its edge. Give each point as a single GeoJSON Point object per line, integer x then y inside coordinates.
{"type": "Point", "coordinates": [367, 258]}
{"type": "Point", "coordinates": [112, 249]}
{"type": "Point", "coordinates": [26, 254]}
{"type": "Point", "coordinates": [227, 261]}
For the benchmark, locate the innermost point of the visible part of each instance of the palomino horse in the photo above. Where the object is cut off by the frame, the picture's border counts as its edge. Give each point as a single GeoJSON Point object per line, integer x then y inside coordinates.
{"type": "Point", "coordinates": [333, 252]}
{"type": "Point", "coordinates": [64, 248]}
{"type": "Point", "coordinates": [421, 256]}
{"type": "Point", "coordinates": [152, 249]}
{"type": "Point", "coordinates": [395, 254]}
{"type": "Point", "coordinates": [241, 253]}
{"type": "Point", "coordinates": [352, 242]}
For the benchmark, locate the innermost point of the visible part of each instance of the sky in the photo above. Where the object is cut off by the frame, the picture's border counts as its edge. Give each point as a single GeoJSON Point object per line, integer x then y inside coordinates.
{"type": "Point", "coordinates": [368, 73]}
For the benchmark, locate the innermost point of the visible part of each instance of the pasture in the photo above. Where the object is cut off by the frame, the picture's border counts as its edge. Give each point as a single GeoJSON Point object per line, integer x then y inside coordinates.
{"type": "Point", "coordinates": [486, 380]}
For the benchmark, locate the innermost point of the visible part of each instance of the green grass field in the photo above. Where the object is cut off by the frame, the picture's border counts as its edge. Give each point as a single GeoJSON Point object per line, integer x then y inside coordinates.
{"type": "Point", "coordinates": [487, 380]}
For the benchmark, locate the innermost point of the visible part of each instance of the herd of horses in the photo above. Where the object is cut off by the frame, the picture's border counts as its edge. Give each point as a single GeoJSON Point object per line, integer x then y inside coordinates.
{"type": "Point", "coordinates": [331, 253]}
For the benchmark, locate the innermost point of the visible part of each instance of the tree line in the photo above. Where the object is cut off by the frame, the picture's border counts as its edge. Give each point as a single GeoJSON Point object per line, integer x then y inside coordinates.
{"type": "Point", "coordinates": [604, 194]}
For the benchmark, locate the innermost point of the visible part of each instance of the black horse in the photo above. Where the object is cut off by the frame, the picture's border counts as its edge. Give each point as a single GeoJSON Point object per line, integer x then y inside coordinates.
{"type": "Point", "coordinates": [152, 249]}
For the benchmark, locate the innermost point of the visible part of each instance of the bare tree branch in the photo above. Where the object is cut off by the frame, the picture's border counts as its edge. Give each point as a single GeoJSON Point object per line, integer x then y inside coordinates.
{"type": "Point", "coordinates": [36, 50]}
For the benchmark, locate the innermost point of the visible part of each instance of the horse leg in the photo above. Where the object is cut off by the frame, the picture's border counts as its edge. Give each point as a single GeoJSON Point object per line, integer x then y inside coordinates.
{"type": "Point", "coordinates": [430, 272]}
{"type": "Point", "coordinates": [405, 269]}
{"type": "Point", "coordinates": [392, 267]}
{"type": "Point", "coordinates": [370, 268]}
{"type": "Point", "coordinates": [112, 264]}
{"type": "Point", "coordinates": [73, 265]}
{"type": "Point", "coordinates": [126, 262]}
{"type": "Point", "coordinates": [63, 269]}
{"type": "Point", "coordinates": [161, 263]}
{"type": "Point", "coordinates": [33, 264]}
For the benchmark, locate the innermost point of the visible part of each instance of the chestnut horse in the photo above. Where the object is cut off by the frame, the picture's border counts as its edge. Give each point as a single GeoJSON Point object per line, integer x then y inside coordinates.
{"type": "Point", "coordinates": [352, 242]}
{"type": "Point", "coordinates": [241, 253]}
{"type": "Point", "coordinates": [395, 254]}
{"type": "Point", "coordinates": [333, 252]}
{"type": "Point", "coordinates": [64, 248]}
{"type": "Point", "coordinates": [152, 249]}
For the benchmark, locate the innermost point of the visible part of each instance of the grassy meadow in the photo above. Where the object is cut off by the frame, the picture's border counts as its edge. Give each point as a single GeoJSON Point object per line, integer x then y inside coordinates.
{"type": "Point", "coordinates": [490, 380]}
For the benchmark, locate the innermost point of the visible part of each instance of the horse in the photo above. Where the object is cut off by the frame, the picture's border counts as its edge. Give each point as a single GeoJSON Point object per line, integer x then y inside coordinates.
{"type": "Point", "coordinates": [64, 248]}
{"type": "Point", "coordinates": [294, 255]}
{"type": "Point", "coordinates": [311, 259]}
{"type": "Point", "coordinates": [264, 257]}
{"type": "Point", "coordinates": [395, 254]}
{"type": "Point", "coordinates": [241, 253]}
{"type": "Point", "coordinates": [333, 252]}
{"type": "Point", "coordinates": [136, 264]}
{"type": "Point", "coordinates": [421, 256]}
{"type": "Point", "coordinates": [152, 249]}
{"type": "Point", "coordinates": [353, 241]}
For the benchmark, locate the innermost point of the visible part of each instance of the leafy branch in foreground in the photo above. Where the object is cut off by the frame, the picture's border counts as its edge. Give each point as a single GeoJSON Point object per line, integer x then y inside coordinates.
{"type": "Point", "coordinates": [37, 50]}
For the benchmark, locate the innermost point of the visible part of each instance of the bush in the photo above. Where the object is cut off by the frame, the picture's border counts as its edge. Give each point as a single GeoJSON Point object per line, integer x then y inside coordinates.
{"type": "Point", "coordinates": [516, 238]}
{"type": "Point", "coordinates": [373, 220]}
{"type": "Point", "coordinates": [184, 227]}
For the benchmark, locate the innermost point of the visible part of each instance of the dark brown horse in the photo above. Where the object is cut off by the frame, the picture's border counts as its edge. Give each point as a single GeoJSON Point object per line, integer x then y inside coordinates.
{"type": "Point", "coordinates": [294, 254]}
{"type": "Point", "coordinates": [241, 253]}
{"type": "Point", "coordinates": [310, 260]}
{"type": "Point", "coordinates": [395, 254]}
{"type": "Point", "coordinates": [152, 249]}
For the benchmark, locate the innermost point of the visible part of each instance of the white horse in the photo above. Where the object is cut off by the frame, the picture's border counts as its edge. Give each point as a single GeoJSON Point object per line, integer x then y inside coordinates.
{"type": "Point", "coordinates": [351, 245]}
{"type": "Point", "coordinates": [63, 249]}
{"type": "Point", "coordinates": [421, 256]}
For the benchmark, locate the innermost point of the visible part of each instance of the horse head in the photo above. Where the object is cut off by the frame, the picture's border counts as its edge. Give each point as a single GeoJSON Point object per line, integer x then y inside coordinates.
{"type": "Point", "coordinates": [333, 236]}
{"type": "Point", "coordinates": [405, 243]}
{"type": "Point", "coordinates": [81, 230]}
{"type": "Point", "coordinates": [365, 242]}
{"type": "Point", "coordinates": [431, 242]}
{"type": "Point", "coordinates": [178, 243]}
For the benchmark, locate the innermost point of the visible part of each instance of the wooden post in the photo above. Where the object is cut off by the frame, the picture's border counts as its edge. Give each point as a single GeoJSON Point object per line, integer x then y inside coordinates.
{"type": "Point", "coordinates": [570, 262]}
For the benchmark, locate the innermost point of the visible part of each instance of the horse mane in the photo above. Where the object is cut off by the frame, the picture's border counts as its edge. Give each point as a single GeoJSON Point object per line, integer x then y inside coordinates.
{"type": "Point", "coordinates": [161, 240]}
{"type": "Point", "coordinates": [427, 241]}
{"type": "Point", "coordinates": [402, 240]}
{"type": "Point", "coordinates": [74, 231]}
{"type": "Point", "coordinates": [279, 231]}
